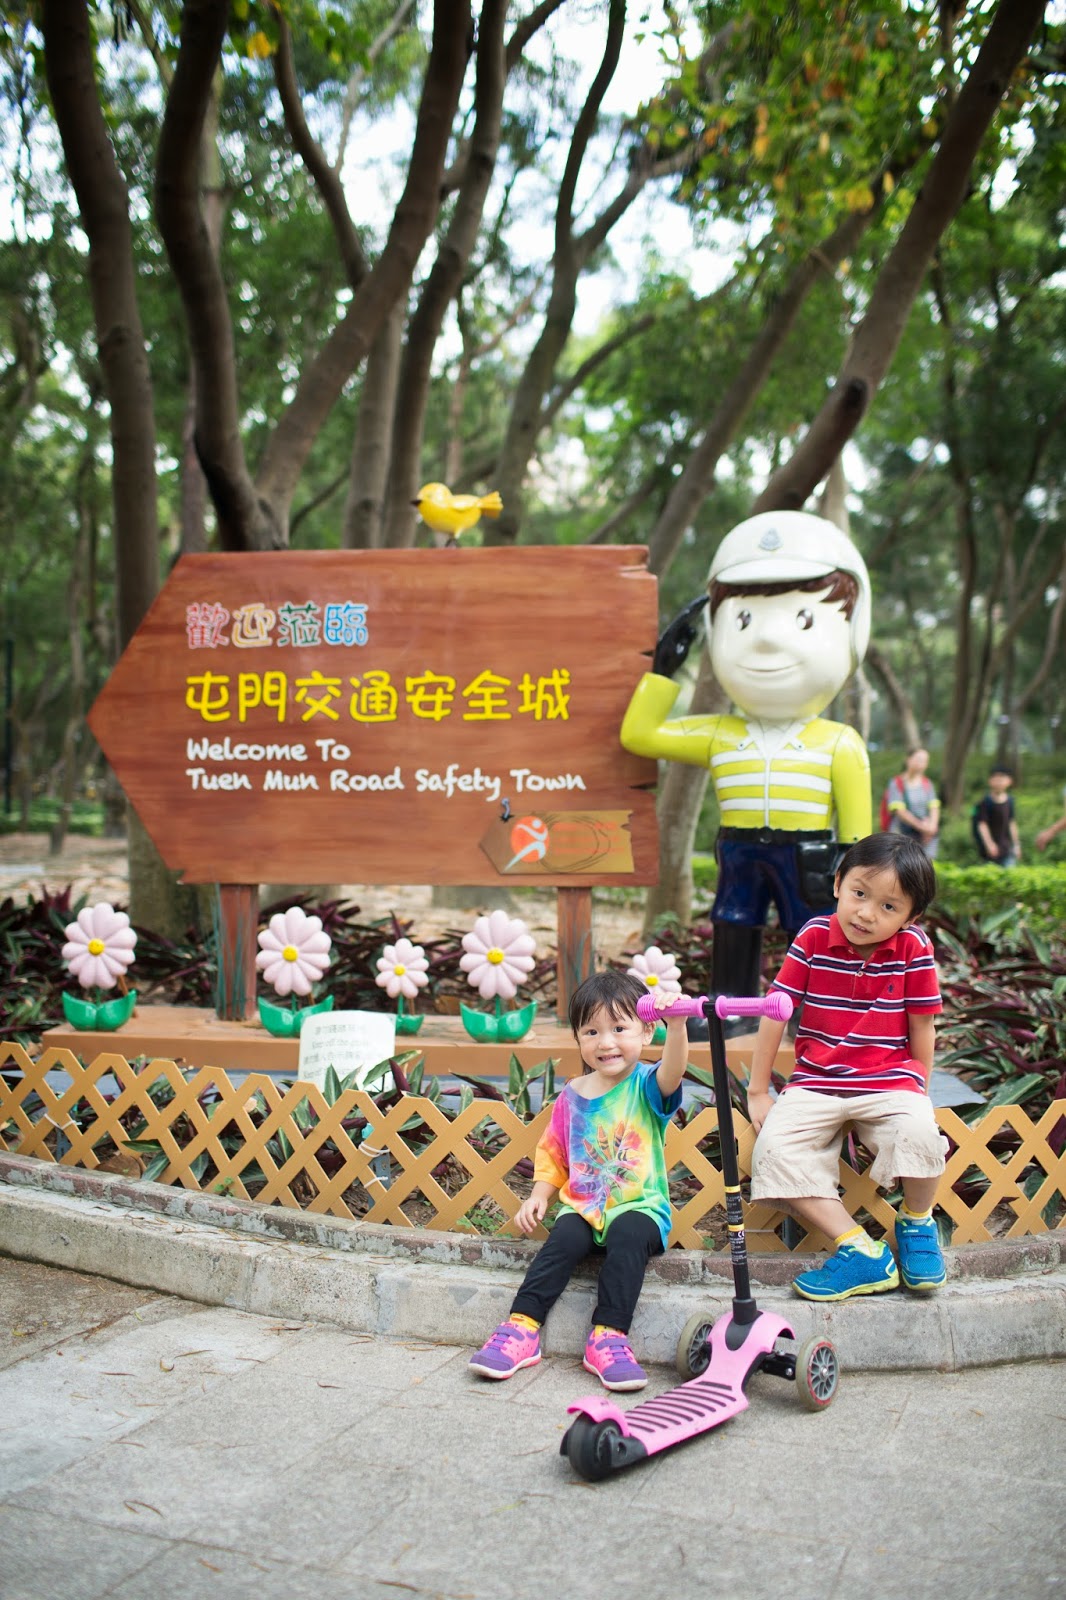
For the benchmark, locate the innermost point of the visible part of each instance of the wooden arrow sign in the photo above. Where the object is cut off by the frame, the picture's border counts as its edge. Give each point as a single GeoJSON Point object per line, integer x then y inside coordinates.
{"type": "Point", "coordinates": [359, 716]}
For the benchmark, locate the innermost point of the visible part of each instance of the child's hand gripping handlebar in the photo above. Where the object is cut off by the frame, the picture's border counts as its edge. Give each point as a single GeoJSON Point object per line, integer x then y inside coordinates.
{"type": "Point", "coordinates": [776, 1005]}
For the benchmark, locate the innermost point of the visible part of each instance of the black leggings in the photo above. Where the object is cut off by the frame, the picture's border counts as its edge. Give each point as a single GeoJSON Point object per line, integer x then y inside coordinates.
{"type": "Point", "coordinates": [629, 1244]}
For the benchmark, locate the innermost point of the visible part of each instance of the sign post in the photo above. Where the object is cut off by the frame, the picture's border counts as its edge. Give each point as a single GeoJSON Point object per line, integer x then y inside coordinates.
{"type": "Point", "coordinates": [372, 716]}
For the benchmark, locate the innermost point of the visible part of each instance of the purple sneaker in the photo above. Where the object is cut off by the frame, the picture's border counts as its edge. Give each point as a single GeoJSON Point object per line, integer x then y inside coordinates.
{"type": "Point", "coordinates": [509, 1348]}
{"type": "Point", "coordinates": [608, 1355]}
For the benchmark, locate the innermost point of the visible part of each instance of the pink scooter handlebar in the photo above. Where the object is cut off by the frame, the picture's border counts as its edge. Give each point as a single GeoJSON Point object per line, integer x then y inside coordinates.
{"type": "Point", "coordinates": [778, 1006]}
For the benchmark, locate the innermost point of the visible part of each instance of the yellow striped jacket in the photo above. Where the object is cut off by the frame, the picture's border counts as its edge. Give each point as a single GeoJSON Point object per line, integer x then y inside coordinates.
{"type": "Point", "coordinates": [801, 776]}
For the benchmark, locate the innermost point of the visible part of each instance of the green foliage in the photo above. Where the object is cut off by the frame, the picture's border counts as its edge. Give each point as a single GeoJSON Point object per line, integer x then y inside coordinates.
{"type": "Point", "coordinates": [86, 817]}
{"type": "Point", "coordinates": [1004, 1022]}
{"type": "Point", "coordinates": [1033, 896]}
{"type": "Point", "coordinates": [964, 508]}
{"type": "Point", "coordinates": [814, 103]}
{"type": "Point", "coordinates": [520, 1080]}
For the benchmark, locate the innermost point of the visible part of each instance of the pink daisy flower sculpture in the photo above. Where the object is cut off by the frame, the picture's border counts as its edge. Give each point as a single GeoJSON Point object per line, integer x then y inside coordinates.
{"type": "Point", "coordinates": [657, 970]}
{"type": "Point", "coordinates": [402, 971]}
{"type": "Point", "coordinates": [98, 951]}
{"type": "Point", "coordinates": [99, 946]}
{"type": "Point", "coordinates": [293, 955]}
{"type": "Point", "coordinates": [660, 974]}
{"type": "Point", "coordinates": [499, 953]}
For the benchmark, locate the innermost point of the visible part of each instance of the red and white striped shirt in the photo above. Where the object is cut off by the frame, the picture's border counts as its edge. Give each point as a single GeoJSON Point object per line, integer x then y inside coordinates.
{"type": "Point", "coordinates": [853, 1031]}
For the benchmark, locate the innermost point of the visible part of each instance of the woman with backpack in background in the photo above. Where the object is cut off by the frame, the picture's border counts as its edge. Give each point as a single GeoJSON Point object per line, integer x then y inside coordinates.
{"type": "Point", "coordinates": [910, 805]}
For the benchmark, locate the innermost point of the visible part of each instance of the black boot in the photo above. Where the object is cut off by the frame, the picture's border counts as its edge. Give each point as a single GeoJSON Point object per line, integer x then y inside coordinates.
{"type": "Point", "coordinates": [736, 959]}
{"type": "Point", "coordinates": [736, 967]}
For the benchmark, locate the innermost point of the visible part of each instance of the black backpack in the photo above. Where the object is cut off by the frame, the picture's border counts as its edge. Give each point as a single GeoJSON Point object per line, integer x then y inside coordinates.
{"type": "Point", "coordinates": [975, 818]}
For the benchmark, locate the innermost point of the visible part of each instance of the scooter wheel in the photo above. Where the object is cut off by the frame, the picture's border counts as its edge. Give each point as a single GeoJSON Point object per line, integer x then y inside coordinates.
{"type": "Point", "coordinates": [591, 1447]}
{"type": "Point", "coordinates": [817, 1374]}
{"type": "Point", "coordinates": [693, 1347]}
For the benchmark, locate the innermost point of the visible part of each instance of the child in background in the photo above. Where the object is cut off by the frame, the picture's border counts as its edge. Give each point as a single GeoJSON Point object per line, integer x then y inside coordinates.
{"type": "Point", "coordinates": [602, 1155]}
{"type": "Point", "coordinates": [867, 983]}
{"type": "Point", "coordinates": [995, 829]}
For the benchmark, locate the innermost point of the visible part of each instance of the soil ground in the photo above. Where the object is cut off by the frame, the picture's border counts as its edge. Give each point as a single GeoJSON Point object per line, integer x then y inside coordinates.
{"type": "Point", "coordinates": [97, 870]}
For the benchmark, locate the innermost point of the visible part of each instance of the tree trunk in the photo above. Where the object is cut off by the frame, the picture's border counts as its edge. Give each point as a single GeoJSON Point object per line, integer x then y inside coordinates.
{"type": "Point", "coordinates": [570, 256]}
{"type": "Point", "coordinates": [364, 507]}
{"type": "Point", "coordinates": [73, 755]}
{"type": "Point", "coordinates": [677, 807]}
{"type": "Point", "coordinates": [897, 694]}
{"type": "Point", "coordinates": [245, 522]}
{"type": "Point", "coordinates": [157, 900]}
{"type": "Point", "coordinates": [193, 483]}
{"type": "Point", "coordinates": [103, 204]}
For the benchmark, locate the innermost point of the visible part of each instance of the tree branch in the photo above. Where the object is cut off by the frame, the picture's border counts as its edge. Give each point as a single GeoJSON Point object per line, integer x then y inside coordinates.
{"type": "Point", "coordinates": [445, 278]}
{"type": "Point", "coordinates": [325, 177]}
{"type": "Point", "coordinates": [585, 126]}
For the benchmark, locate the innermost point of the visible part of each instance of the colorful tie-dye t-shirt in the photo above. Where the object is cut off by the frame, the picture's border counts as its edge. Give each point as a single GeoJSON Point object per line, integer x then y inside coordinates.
{"type": "Point", "coordinates": [605, 1156]}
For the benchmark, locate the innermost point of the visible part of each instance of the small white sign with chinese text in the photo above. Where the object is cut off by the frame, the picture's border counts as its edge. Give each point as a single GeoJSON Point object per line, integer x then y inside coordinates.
{"type": "Point", "coordinates": [347, 1041]}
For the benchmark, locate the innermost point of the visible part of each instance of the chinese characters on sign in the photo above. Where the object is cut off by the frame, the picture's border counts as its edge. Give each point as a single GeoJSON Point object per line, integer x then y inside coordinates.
{"type": "Point", "coordinates": [373, 697]}
{"type": "Point", "coordinates": [252, 626]}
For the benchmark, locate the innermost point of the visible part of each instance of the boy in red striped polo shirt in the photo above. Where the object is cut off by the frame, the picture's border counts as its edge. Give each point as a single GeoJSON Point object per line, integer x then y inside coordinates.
{"type": "Point", "coordinates": [866, 981]}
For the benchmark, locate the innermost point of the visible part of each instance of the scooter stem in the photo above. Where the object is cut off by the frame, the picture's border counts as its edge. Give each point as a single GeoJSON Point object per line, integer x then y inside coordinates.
{"type": "Point", "coordinates": [778, 1006]}
{"type": "Point", "coordinates": [744, 1308]}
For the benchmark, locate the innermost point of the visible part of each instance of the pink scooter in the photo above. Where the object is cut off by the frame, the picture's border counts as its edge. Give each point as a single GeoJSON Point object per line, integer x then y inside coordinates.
{"type": "Point", "coordinates": [718, 1358]}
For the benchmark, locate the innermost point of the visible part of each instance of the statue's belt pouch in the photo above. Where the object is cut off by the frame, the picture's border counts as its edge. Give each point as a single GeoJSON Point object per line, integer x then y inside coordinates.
{"type": "Point", "coordinates": [816, 861]}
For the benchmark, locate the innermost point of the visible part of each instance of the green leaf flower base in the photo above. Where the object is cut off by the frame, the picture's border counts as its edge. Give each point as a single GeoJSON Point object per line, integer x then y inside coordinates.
{"type": "Point", "coordinates": [284, 1022]}
{"type": "Point", "coordinates": [99, 1017]}
{"type": "Point", "coordinates": [406, 1021]}
{"type": "Point", "coordinates": [659, 1036]}
{"type": "Point", "coordinates": [501, 1027]}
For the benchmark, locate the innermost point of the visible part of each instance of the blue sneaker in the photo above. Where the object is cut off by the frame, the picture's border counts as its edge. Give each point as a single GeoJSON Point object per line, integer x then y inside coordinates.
{"type": "Point", "coordinates": [921, 1260]}
{"type": "Point", "coordinates": [849, 1271]}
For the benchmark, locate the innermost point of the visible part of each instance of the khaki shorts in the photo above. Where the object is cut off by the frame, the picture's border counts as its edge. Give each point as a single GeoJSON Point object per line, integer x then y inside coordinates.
{"type": "Point", "coordinates": [797, 1152]}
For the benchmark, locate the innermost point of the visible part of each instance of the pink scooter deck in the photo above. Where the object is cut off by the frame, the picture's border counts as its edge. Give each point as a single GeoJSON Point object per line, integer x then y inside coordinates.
{"type": "Point", "coordinates": [701, 1403]}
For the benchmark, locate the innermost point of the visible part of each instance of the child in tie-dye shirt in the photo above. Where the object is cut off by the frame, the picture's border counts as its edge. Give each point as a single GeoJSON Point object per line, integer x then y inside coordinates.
{"type": "Point", "coordinates": [602, 1156]}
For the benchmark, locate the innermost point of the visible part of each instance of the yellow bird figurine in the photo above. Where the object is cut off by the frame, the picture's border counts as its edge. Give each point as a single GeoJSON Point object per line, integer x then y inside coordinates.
{"type": "Point", "coordinates": [451, 515]}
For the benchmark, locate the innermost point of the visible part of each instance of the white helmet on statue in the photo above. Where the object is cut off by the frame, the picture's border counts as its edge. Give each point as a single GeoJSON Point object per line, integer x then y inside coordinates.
{"type": "Point", "coordinates": [783, 546]}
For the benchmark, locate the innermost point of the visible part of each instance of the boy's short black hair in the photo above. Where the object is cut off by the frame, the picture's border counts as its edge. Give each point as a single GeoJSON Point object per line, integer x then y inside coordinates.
{"type": "Point", "coordinates": [1008, 772]}
{"type": "Point", "coordinates": [617, 992]}
{"type": "Point", "coordinates": [904, 856]}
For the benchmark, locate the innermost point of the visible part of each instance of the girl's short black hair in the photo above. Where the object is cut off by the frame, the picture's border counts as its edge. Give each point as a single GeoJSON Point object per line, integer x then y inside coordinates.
{"type": "Point", "coordinates": [904, 856]}
{"type": "Point", "coordinates": [617, 992]}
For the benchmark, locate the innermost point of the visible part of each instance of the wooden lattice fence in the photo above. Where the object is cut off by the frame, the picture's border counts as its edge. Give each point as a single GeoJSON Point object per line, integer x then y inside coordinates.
{"type": "Point", "coordinates": [413, 1163]}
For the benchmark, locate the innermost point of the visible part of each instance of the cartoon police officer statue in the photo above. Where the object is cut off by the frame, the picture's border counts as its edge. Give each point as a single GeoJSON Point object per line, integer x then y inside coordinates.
{"type": "Point", "coordinates": [788, 616]}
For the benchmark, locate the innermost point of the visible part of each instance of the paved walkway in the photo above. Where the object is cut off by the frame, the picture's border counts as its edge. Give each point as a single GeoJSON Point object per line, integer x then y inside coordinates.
{"type": "Point", "coordinates": [151, 1445]}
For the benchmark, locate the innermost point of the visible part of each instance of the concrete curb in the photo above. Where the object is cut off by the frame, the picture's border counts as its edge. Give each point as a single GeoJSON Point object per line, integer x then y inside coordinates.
{"type": "Point", "coordinates": [1002, 1302]}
